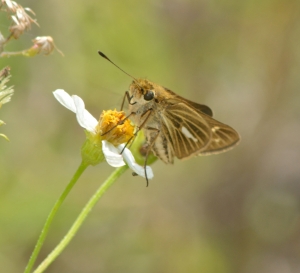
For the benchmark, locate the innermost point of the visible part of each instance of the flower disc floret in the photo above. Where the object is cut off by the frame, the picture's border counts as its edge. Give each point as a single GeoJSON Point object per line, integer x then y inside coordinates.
{"type": "Point", "coordinates": [114, 127]}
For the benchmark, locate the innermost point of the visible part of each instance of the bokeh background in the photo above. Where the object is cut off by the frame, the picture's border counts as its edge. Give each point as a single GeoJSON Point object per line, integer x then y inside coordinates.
{"type": "Point", "coordinates": [237, 212]}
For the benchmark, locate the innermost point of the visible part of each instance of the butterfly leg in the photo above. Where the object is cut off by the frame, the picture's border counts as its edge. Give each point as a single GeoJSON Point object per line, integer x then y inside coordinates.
{"type": "Point", "coordinates": [129, 98]}
{"type": "Point", "coordinates": [119, 123]}
{"type": "Point", "coordinates": [149, 148]}
{"type": "Point", "coordinates": [139, 127]}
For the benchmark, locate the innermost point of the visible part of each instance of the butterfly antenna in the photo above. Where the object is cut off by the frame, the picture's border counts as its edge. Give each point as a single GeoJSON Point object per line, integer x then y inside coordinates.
{"type": "Point", "coordinates": [105, 57]}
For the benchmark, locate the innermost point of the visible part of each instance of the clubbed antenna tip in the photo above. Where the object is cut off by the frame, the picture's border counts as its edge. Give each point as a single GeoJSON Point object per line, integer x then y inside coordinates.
{"type": "Point", "coordinates": [105, 57]}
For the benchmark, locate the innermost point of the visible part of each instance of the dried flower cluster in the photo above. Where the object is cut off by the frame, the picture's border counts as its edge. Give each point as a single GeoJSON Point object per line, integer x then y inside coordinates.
{"type": "Point", "coordinates": [21, 21]}
{"type": "Point", "coordinates": [5, 92]}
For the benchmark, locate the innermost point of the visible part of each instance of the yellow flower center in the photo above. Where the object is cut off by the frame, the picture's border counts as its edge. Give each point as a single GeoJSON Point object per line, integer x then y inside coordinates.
{"type": "Point", "coordinates": [112, 129]}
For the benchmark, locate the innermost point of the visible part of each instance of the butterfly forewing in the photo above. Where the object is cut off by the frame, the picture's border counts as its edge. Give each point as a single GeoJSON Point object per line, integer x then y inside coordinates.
{"type": "Point", "coordinates": [199, 107]}
{"type": "Point", "coordinates": [223, 137]}
{"type": "Point", "coordinates": [185, 129]}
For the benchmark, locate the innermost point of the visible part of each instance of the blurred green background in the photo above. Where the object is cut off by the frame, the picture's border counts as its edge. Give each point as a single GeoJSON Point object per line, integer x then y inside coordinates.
{"type": "Point", "coordinates": [229, 213]}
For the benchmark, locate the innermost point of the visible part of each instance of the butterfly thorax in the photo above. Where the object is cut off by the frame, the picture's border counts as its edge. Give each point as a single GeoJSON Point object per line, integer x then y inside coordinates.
{"type": "Point", "coordinates": [151, 112]}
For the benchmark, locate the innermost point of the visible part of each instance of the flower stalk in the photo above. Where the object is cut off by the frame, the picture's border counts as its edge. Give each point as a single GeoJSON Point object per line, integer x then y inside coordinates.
{"type": "Point", "coordinates": [50, 218]}
{"type": "Point", "coordinates": [80, 219]}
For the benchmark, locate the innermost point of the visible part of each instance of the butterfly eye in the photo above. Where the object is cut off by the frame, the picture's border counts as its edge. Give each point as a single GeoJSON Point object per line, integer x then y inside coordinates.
{"type": "Point", "coordinates": [149, 95]}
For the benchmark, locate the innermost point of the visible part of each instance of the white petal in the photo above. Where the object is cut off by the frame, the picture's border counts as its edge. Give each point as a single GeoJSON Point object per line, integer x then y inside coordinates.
{"type": "Point", "coordinates": [84, 118]}
{"type": "Point", "coordinates": [129, 158]}
{"type": "Point", "coordinates": [65, 99]}
{"type": "Point", "coordinates": [112, 154]}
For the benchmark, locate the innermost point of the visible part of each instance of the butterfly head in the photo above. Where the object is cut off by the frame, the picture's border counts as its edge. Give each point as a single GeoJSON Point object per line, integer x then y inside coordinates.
{"type": "Point", "coordinates": [143, 89]}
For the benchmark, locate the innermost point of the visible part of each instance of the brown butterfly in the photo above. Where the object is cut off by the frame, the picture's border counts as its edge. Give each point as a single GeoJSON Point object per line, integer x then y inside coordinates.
{"type": "Point", "coordinates": [173, 125]}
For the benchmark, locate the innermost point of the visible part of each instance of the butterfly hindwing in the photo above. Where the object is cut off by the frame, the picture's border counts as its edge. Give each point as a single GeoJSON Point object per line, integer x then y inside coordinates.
{"type": "Point", "coordinates": [223, 137]}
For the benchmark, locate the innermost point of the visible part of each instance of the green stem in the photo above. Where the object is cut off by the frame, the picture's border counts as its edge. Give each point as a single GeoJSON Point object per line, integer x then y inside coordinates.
{"type": "Point", "coordinates": [9, 54]}
{"type": "Point", "coordinates": [49, 220]}
{"type": "Point", "coordinates": [80, 219]}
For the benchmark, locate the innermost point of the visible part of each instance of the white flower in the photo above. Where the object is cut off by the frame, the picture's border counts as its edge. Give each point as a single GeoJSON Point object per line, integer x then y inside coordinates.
{"type": "Point", "coordinates": [87, 121]}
